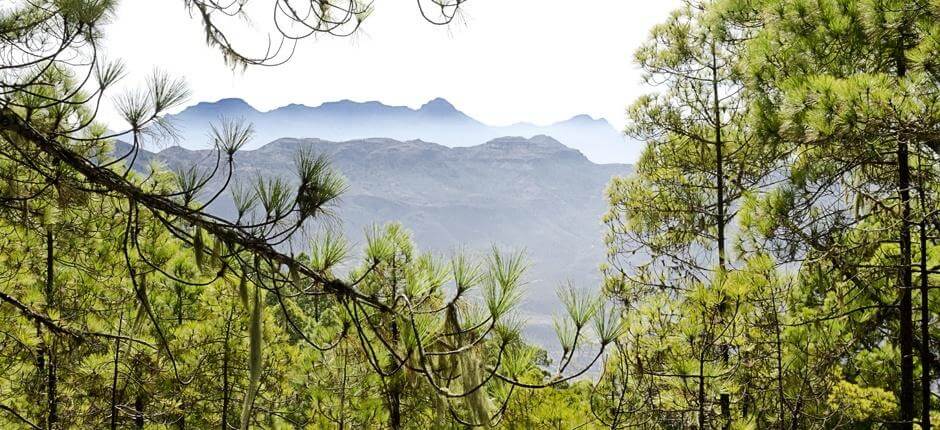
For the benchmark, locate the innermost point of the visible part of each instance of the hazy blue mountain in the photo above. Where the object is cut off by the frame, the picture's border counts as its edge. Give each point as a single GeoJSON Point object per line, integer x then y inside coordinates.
{"type": "Point", "coordinates": [519, 193]}
{"type": "Point", "coordinates": [436, 121]}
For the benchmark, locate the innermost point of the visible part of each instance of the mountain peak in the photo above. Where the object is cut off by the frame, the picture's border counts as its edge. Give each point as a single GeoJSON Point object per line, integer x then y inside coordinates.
{"type": "Point", "coordinates": [547, 141]}
{"type": "Point", "coordinates": [539, 141]}
{"type": "Point", "coordinates": [222, 107]}
{"type": "Point", "coordinates": [438, 105]}
{"type": "Point", "coordinates": [536, 147]}
{"type": "Point", "coordinates": [294, 106]}
{"type": "Point", "coordinates": [583, 118]}
{"type": "Point", "coordinates": [231, 101]}
{"type": "Point", "coordinates": [343, 102]}
{"type": "Point", "coordinates": [346, 103]}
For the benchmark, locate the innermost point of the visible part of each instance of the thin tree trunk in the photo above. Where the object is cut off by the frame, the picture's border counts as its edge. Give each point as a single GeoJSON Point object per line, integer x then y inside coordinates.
{"type": "Point", "coordinates": [725, 399]}
{"type": "Point", "coordinates": [50, 292]}
{"type": "Point", "coordinates": [226, 395]}
{"type": "Point", "coordinates": [924, 317]}
{"type": "Point", "coordinates": [905, 307]}
{"type": "Point", "coordinates": [114, 375]}
{"type": "Point", "coordinates": [140, 401]}
{"type": "Point", "coordinates": [52, 419]}
{"type": "Point", "coordinates": [139, 411]}
{"type": "Point", "coordinates": [395, 387]}
{"type": "Point", "coordinates": [795, 424]}
{"type": "Point", "coordinates": [906, 332]}
{"type": "Point", "coordinates": [52, 389]}
{"type": "Point", "coordinates": [701, 383]}
{"type": "Point", "coordinates": [779, 353]}
{"type": "Point", "coordinates": [342, 393]}
{"type": "Point", "coordinates": [179, 304]}
{"type": "Point", "coordinates": [394, 405]}
{"type": "Point", "coordinates": [40, 365]}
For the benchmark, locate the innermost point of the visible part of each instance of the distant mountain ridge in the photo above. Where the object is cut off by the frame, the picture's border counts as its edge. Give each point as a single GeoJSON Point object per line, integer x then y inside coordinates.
{"type": "Point", "coordinates": [533, 194]}
{"type": "Point", "coordinates": [436, 121]}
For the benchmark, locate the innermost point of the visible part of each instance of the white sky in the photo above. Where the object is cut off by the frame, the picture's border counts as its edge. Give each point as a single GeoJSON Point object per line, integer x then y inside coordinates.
{"type": "Point", "coordinates": [508, 61]}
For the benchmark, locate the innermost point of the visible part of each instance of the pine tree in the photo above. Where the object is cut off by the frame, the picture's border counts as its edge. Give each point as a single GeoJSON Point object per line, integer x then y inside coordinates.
{"type": "Point", "coordinates": [848, 88]}
{"type": "Point", "coordinates": [679, 205]}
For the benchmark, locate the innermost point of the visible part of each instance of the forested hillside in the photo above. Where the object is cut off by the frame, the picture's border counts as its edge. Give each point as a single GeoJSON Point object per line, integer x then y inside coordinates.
{"type": "Point", "coordinates": [772, 259]}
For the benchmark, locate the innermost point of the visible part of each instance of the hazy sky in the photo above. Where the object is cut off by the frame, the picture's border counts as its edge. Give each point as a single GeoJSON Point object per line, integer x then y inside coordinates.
{"type": "Point", "coordinates": [506, 61]}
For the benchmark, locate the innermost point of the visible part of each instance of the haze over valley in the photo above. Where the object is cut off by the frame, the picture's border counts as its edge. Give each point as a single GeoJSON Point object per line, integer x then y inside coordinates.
{"type": "Point", "coordinates": [532, 194]}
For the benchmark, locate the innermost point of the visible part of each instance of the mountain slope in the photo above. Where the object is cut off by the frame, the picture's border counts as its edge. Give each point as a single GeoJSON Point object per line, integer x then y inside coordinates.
{"type": "Point", "coordinates": [435, 121]}
{"type": "Point", "coordinates": [531, 194]}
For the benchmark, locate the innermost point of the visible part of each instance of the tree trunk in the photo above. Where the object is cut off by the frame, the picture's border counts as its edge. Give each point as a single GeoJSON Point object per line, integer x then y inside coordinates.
{"type": "Point", "coordinates": [701, 393]}
{"type": "Point", "coordinates": [52, 379]}
{"type": "Point", "coordinates": [781, 401]}
{"type": "Point", "coordinates": [40, 365]}
{"type": "Point", "coordinates": [394, 419]}
{"type": "Point", "coordinates": [226, 395]}
{"type": "Point", "coordinates": [394, 386]}
{"type": "Point", "coordinates": [179, 304]}
{"type": "Point", "coordinates": [114, 375]}
{"type": "Point", "coordinates": [924, 317]}
{"type": "Point", "coordinates": [139, 411]}
{"type": "Point", "coordinates": [140, 399]}
{"type": "Point", "coordinates": [906, 332]}
{"type": "Point", "coordinates": [342, 393]}
{"type": "Point", "coordinates": [725, 399]}
{"type": "Point", "coordinates": [52, 418]}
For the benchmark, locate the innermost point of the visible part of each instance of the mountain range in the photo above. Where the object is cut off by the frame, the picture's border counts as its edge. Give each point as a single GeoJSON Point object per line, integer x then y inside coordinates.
{"type": "Point", "coordinates": [436, 121]}
{"type": "Point", "coordinates": [533, 194]}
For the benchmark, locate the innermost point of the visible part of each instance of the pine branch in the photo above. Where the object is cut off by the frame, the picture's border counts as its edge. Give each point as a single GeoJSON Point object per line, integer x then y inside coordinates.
{"type": "Point", "coordinates": [111, 182]}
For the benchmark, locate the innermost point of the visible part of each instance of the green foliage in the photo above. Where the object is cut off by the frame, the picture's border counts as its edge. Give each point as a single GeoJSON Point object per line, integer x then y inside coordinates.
{"type": "Point", "coordinates": [813, 102]}
{"type": "Point", "coordinates": [861, 405]}
{"type": "Point", "coordinates": [763, 261]}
